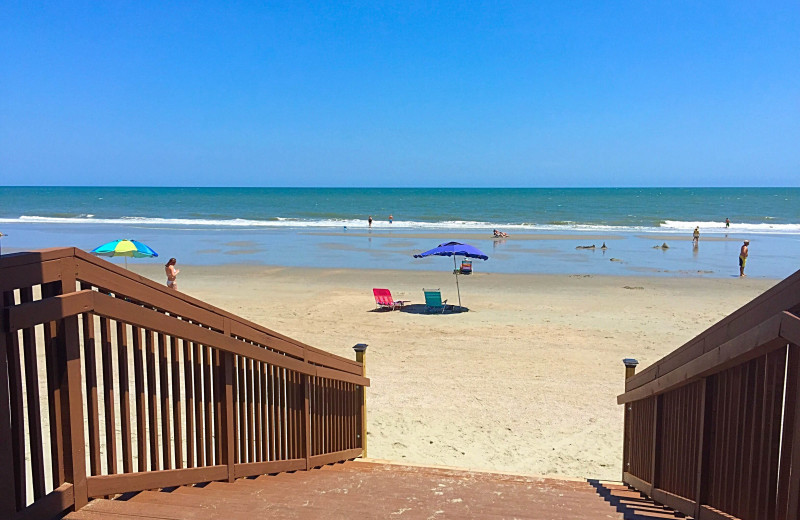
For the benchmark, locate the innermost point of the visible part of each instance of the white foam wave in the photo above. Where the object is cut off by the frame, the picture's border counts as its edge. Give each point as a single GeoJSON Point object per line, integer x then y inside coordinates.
{"type": "Point", "coordinates": [669, 226]}
{"type": "Point", "coordinates": [736, 227]}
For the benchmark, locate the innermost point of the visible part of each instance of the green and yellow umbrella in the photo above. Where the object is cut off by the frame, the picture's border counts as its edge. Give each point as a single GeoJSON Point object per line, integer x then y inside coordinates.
{"type": "Point", "coordinates": [125, 247]}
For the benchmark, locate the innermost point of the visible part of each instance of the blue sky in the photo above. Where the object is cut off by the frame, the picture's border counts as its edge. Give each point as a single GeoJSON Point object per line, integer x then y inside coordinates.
{"type": "Point", "coordinates": [400, 94]}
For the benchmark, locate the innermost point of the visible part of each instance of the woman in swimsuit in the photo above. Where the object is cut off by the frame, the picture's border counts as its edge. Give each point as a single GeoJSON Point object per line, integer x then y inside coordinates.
{"type": "Point", "coordinates": [172, 274]}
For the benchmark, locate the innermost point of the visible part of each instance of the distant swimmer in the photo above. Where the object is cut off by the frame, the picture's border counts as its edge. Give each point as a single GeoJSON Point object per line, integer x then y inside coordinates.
{"type": "Point", "coordinates": [727, 222]}
{"type": "Point", "coordinates": [743, 253]}
{"type": "Point", "coordinates": [696, 236]}
{"type": "Point", "coordinates": [370, 221]}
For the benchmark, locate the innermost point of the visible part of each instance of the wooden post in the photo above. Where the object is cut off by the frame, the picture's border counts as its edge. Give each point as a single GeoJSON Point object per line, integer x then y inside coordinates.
{"type": "Point", "coordinates": [630, 370]}
{"type": "Point", "coordinates": [228, 441]}
{"type": "Point", "coordinates": [8, 491]}
{"type": "Point", "coordinates": [361, 354]}
{"type": "Point", "coordinates": [71, 396]}
{"type": "Point", "coordinates": [630, 367]}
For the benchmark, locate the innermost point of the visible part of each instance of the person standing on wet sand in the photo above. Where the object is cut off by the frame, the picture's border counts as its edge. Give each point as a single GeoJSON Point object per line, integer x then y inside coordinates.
{"type": "Point", "coordinates": [370, 220]}
{"type": "Point", "coordinates": [727, 223]}
{"type": "Point", "coordinates": [743, 253]}
{"type": "Point", "coordinates": [172, 274]}
{"type": "Point", "coordinates": [696, 236]}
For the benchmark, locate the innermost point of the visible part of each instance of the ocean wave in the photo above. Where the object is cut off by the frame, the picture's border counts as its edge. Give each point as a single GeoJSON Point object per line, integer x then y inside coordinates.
{"type": "Point", "coordinates": [668, 226]}
{"type": "Point", "coordinates": [736, 227]}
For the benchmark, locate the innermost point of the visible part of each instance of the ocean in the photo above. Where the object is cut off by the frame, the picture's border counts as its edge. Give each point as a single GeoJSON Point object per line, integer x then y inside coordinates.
{"type": "Point", "coordinates": [313, 226]}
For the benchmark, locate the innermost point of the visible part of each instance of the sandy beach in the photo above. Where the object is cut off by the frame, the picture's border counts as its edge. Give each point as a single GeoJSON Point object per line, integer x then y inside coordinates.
{"type": "Point", "coordinates": [524, 382]}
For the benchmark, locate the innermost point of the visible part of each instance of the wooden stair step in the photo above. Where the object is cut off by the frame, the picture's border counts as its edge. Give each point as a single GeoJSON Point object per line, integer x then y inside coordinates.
{"type": "Point", "coordinates": [149, 510]}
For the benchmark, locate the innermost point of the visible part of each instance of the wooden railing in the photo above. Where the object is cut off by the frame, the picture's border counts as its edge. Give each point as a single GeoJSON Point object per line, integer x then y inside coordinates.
{"type": "Point", "coordinates": [112, 383]}
{"type": "Point", "coordinates": [713, 429]}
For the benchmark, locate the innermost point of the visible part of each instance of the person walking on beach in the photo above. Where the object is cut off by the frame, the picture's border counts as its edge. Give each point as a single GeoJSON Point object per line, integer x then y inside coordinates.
{"type": "Point", "coordinates": [172, 274]}
{"type": "Point", "coordinates": [696, 236]}
{"type": "Point", "coordinates": [727, 222]}
{"type": "Point", "coordinates": [370, 220]}
{"type": "Point", "coordinates": [743, 257]}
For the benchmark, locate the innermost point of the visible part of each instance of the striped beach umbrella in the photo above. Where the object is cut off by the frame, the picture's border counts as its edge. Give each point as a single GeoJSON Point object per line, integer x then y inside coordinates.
{"type": "Point", "coordinates": [125, 247]}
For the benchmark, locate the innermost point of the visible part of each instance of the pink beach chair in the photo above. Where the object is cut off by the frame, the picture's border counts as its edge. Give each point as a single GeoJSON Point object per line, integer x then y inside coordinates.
{"type": "Point", "coordinates": [384, 300]}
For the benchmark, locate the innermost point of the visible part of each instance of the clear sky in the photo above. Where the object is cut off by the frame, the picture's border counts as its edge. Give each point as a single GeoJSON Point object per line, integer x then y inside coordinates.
{"type": "Point", "coordinates": [405, 93]}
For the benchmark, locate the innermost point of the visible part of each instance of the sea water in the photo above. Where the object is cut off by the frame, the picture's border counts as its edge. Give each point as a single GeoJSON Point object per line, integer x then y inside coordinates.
{"type": "Point", "coordinates": [329, 226]}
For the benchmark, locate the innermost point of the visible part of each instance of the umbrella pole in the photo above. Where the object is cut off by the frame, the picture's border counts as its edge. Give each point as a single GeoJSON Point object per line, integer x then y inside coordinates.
{"type": "Point", "coordinates": [458, 289]}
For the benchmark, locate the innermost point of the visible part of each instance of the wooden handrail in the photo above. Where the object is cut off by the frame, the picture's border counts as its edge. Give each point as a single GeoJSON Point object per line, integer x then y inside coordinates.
{"type": "Point", "coordinates": [211, 396]}
{"type": "Point", "coordinates": [27, 315]}
{"type": "Point", "coordinates": [26, 269]}
{"type": "Point", "coordinates": [713, 429]}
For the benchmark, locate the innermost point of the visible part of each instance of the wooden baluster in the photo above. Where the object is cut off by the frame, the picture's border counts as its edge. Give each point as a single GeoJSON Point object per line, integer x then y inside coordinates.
{"type": "Point", "coordinates": [177, 403]}
{"type": "Point", "coordinates": [264, 415]}
{"type": "Point", "coordinates": [141, 401]}
{"type": "Point", "coordinates": [34, 403]}
{"type": "Point", "coordinates": [337, 402]}
{"type": "Point", "coordinates": [188, 370]}
{"type": "Point", "coordinates": [236, 428]}
{"type": "Point", "coordinates": [124, 397]}
{"type": "Point", "coordinates": [307, 419]}
{"type": "Point", "coordinates": [152, 400]}
{"type": "Point", "coordinates": [257, 456]}
{"type": "Point", "coordinates": [109, 418]}
{"type": "Point", "coordinates": [163, 368]}
{"type": "Point", "coordinates": [251, 432]}
{"type": "Point", "coordinates": [209, 406]}
{"type": "Point", "coordinates": [789, 482]}
{"type": "Point", "coordinates": [228, 442]}
{"type": "Point", "coordinates": [16, 439]}
{"type": "Point", "coordinates": [280, 413]}
{"type": "Point", "coordinates": [8, 483]}
{"type": "Point", "coordinates": [291, 405]}
{"type": "Point", "coordinates": [198, 405]}
{"type": "Point", "coordinates": [219, 405]}
{"type": "Point", "coordinates": [53, 360]}
{"type": "Point", "coordinates": [90, 368]}
{"type": "Point", "coordinates": [241, 399]}
{"type": "Point", "coordinates": [273, 423]}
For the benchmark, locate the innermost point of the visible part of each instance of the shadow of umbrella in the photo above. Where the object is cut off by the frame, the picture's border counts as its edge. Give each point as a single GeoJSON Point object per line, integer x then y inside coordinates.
{"type": "Point", "coordinates": [125, 248]}
{"type": "Point", "coordinates": [455, 249]}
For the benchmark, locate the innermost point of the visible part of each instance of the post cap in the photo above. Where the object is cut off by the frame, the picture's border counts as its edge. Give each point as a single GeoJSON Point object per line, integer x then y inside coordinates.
{"type": "Point", "coordinates": [630, 362]}
{"type": "Point", "coordinates": [360, 347]}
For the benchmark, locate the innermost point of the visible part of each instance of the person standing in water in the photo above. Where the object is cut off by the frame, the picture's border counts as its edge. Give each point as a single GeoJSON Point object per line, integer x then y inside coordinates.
{"type": "Point", "coordinates": [743, 253]}
{"type": "Point", "coordinates": [172, 274]}
{"type": "Point", "coordinates": [390, 219]}
{"type": "Point", "coordinates": [727, 222]}
{"type": "Point", "coordinates": [370, 220]}
{"type": "Point", "coordinates": [696, 236]}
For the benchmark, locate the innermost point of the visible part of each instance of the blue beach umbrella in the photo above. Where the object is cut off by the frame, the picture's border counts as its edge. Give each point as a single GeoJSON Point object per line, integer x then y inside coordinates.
{"type": "Point", "coordinates": [126, 248]}
{"type": "Point", "coordinates": [455, 249]}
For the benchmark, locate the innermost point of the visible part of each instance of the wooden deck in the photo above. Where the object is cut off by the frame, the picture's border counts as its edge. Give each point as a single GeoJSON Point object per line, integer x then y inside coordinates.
{"type": "Point", "coordinates": [377, 490]}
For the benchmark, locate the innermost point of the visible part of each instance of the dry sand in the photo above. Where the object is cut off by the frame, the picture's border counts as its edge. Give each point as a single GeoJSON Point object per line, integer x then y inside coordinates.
{"type": "Point", "coordinates": [524, 382]}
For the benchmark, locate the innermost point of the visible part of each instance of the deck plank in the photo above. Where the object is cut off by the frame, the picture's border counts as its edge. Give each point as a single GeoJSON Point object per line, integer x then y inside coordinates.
{"type": "Point", "coordinates": [378, 490]}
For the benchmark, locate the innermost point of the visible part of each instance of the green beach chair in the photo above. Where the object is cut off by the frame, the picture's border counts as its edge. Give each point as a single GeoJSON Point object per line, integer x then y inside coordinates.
{"type": "Point", "coordinates": [433, 301]}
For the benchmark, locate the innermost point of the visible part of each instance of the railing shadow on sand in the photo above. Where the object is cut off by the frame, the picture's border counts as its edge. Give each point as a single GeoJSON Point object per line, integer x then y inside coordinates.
{"type": "Point", "coordinates": [117, 384]}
